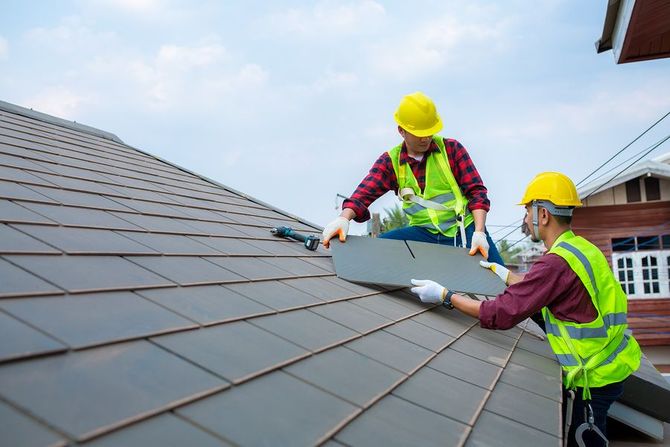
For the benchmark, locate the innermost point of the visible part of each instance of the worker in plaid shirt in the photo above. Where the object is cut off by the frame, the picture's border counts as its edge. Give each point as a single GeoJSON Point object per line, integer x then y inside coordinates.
{"type": "Point", "coordinates": [442, 193]}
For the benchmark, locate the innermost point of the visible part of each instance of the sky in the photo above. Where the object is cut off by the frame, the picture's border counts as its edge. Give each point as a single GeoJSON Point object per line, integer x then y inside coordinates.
{"type": "Point", "coordinates": [292, 102]}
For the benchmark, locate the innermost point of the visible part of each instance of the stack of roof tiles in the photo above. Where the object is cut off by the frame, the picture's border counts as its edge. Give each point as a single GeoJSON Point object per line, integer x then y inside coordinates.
{"type": "Point", "coordinates": [141, 304]}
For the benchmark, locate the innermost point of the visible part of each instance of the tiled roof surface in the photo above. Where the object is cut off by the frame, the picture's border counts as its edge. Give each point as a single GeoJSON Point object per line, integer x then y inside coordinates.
{"type": "Point", "coordinates": [141, 304]}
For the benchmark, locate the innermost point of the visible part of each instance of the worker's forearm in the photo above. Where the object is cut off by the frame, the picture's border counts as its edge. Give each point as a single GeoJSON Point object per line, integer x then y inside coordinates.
{"type": "Point", "coordinates": [466, 305]}
{"type": "Point", "coordinates": [480, 219]}
{"type": "Point", "coordinates": [348, 213]}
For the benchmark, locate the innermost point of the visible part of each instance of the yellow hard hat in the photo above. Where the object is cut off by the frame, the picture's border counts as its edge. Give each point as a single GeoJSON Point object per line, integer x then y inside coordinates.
{"type": "Point", "coordinates": [417, 115]}
{"type": "Point", "coordinates": [553, 187]}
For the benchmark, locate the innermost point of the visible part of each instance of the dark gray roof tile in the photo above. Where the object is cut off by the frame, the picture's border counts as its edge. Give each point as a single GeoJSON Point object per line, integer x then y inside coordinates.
{"type": "Point", "coordinates": [276, 409]}
{"type": "Point", "coordinates": [186, 270]}
{"type": "Point", "coordinates": [89, 273]}
{"type": "Point", "coordinates": [420, 334]}
{"type": "Point", "coordinates": [13, 212]}
{"type": "Point", "coordinates": [18, 175]}
{"type": "Point", "coordinates": [157, 223]}
{"type": "Point", "coordinates": [20, 430]}
{"type": "Point", "coordinates": [525, 407]}
{"type": "Point", "coordinates": [232, 351]}
{"type": "Point", "coordinates": [76, 184]}
{"type": "Point", "coordinates": [279, 247]}
{"type": "Point", "coordinates": [391, 350]}
{"type": "Point", "coordinates": [536, 346]}
{"type": "Point", "coordinates": [493, 337]}
{"type": "Point", "coordinates": [444, 320]}
{"type": "Point", "coordinates": [76, 198]}
{"type": "Point", "coordinates": [354, 317]}
{"type": "Point", "coordinates": [16, 281]}
{"type": "Point", "coordinates": [230, 246]}
{"type": "Point", "coordinates": [249, 267]}
{"type": "Point", "coordinates": [446, 395]}
{"type": "Point", "coordinates": [91, 319]}
{"type": "Point", "coordinates": [347, 374]}
{"type": "Point", "coordinates": [165, 430]}
{"type": "Point", "coordinates": [275, 295]}
{"type": "Point", "coordinates": [396, 422]}
{"type": "Point", "coordinates": [305, 328]}
{"type": "Point", "coordinates": [320, 288]}
{"type": "Point", "coordinates": [169, 243]}
{"type": "Point", "coordinates": [536, 362]}
{"type": "Point", "coordinates": [384, 305]}
{"type": "Point", "coordinates": [210, 228]}
{"type": "Point", "coordinates": [68, 215]}
{"type": "Point", "coordinates": [11, 190]}
{"type": "Point", "coordinates": [19, 162]}
{"type": "Point", "coordinates": [547, 385]}
{"type": "Point", "coordinates": [21, 340]}
{"type": "Point", "coordinates": [206, 304]}
{"type": "Point", "coordinates": [467, 368]}
{"type": "Point", "coordinates": [481, 350]}
{"type": "Point", "coordinates": [145, 207]}
{"type": "Point", "coordinates": [103, 387]}
{"type": "Point", "coordinates": [84, 240]}
{"type": "Point", "coordinates": [15, 241]}
{"type": "Point", "coordinates": [492, 430]}
{"type": "Point", "coordinates": [296, 266]}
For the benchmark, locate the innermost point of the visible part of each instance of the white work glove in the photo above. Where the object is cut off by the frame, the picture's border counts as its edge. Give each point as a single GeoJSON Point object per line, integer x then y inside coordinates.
{"type": "Point", "coordinates": [497, 269]}
{"type": "Point", "coordinates": [429, 291]}
{"type": "Point", "coordinates": [339, 226]}
{"type": "Point", "coordinates": [479, 243]}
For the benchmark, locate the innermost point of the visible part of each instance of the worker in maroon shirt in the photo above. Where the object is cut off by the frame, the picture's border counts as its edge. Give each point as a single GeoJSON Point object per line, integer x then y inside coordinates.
{"type": "Point", "coordinates": [583, 306]}
{"type": "Point", "coordinates": [441, 191]}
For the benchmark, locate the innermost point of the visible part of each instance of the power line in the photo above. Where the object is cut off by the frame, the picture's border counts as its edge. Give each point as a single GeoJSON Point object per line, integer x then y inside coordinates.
{"type": "Point", "coordinates": [624, 148]}
{"type": "Point", "coordinates": [653, 147]}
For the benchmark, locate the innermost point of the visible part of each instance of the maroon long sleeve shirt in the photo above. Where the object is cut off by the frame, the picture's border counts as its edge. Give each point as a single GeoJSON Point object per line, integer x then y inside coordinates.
{"type": "Point", "coordinates": [382, 178]}
{"type": "Point", "coordinates": [551, 283]}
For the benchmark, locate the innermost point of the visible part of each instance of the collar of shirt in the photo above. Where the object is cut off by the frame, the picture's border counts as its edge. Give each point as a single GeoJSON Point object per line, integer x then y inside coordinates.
{"type": "Point", "coordinates": [405, 158]}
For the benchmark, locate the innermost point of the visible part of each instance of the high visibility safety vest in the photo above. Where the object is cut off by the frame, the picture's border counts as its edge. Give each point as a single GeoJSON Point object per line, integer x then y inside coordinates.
{"type": "Point", "coordinates": [598, 353]}
{"type": "Point", "coordinates": [440, 188]}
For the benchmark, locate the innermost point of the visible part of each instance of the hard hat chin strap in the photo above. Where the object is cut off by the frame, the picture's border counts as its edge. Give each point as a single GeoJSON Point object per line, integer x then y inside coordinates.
{"type": "Point", "coordinates": [535, 228]}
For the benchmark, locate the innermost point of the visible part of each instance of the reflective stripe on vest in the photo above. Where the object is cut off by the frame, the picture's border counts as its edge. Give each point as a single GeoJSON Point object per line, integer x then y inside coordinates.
{"type": "Point", "coordinates": [596, 353]}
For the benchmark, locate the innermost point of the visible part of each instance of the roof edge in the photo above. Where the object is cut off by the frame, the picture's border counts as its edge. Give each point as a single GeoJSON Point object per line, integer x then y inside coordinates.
{"type": "Point", "coordinates": [605, 42]}
{"type": "Point", "coordinates": [30, 113]}
{"type": "Point", "coordinates": [648, 167]}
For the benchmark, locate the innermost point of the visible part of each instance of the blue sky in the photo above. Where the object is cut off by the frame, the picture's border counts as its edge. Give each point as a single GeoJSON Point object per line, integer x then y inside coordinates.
{"type": "Point", "coordinates": [291, 102]}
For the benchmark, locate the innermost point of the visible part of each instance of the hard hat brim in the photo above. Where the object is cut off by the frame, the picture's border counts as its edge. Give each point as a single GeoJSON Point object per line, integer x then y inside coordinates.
{"type": "Point", "coordinates": [421, 132]}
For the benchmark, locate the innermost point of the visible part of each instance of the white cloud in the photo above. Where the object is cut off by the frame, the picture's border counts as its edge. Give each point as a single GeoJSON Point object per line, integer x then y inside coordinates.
{"type": "Point", "coordinates": [460, 41]}
{"type": "Point", "coordinates": [4, 48]}
{"type": "Point", "coordinates": [327, 18]}
{"type": "Point", "coordinates": [74, 36]}
{"type": "Point", "coordinates": [59, 101]}
{"type": "Point", "coordinates": [172, 57]}
{"type": "Point", "coordinates": [131, 6]}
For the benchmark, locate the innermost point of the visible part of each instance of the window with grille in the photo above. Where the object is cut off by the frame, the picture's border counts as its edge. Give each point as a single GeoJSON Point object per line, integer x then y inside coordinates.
{"type": "Point", "coordinates": [625, 273]}
{"type": "Point", "coordinates": [643, 274]}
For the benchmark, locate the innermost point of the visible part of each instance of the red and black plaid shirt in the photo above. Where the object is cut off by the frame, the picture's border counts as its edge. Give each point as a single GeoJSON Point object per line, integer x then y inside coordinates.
{"type": "Point", "coordinates": [382, 179]}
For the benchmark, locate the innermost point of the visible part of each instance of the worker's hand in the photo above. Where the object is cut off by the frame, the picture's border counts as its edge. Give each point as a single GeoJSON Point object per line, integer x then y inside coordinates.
{"type": "Point", "coordinates": [339, 226]}
{"type": "Point", "coordinates": [479, 244]}
{"type": "Point", "coordinates": [429, 291]}
{"type": "Point", "coordinates": [497, 269]}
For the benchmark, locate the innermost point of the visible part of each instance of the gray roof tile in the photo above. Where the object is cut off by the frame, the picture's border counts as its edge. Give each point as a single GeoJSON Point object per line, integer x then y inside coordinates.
{"type": "Point", "coordinates": [157, 223]}
{"type": "Point", "coordinates": [320, 288]}
{"type": "Point", "coordinates": [15, 241]}
{"type": "Point", "coordinates": [104, 387]}
{"type": "Point", "coordinates": [25, 340]}
{"type": "Point", "coordinates": [20, 430]}
{"type": "Point", "coordinates": [305, 328]}
{"type": "Point", "coordinates": [396, 422]}
{"type": "Point", "coordinates": [250, 267]}
{"type": "Point", "coordinates": [391, 350]}
{"type": "Point", "coordinates": [77, 198]}
{"type": "Point", "coordinates": [165, 430]}
{"type": "Point", "coordinates": [276, 409]}
{"type": "Point", "coordinates": [185, 270]}
{"type": "Point", "coordinates": [420, 334]}
{"type": "Point", "coordinates": [296, 266]}
{"type": "Point", "coordinates": [16, 281]}
{"type": "Point", "coordinates": [206, 304]}
{"type": "Point", "coordinates": [347, 374]}
{"type": "Point", "coordinates": [69, 215]}
{"type": "Point", "coordinates": [232, 351]}
{"type": "Point", "coordinates": [88, 273]}
{"type": "Point", "coordinates": [354, 317]}
{"type": "Point", "coordinates": [278, 296]}
{"type": "Point", "coordinates": [492, 430]}
{"type": "Point", "coordinates": [169, 243]}
{"type": "Point", "coordinates": [11, 190]}
{"type": "Point", "coordinates": [547, 385]}
{"type": "Point", "coordinates": [230, 246]}
{"type": "Point", "coordinates": [481, 350]}
{"type": "Point", "coordinates": [21, 176]}
{"type": "Point", "coordinates": [523, 406]}
{"type": "Point", "coordinates": [13, 212]}
{"type": "Point", "coordinates": [467, 368]}
{"type": "Point", "coordinates": [90, 319]}
{"type": "Point", "coordinates": [84, 240]}
{"type": "Point", "coordinates": [446, 395]}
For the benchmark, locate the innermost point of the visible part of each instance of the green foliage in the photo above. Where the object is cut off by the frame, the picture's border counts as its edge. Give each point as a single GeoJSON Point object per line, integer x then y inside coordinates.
{"type": "Point", "coordinates": [395, 218]}
{"type": "Point", "coordinates": [506, 251]}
